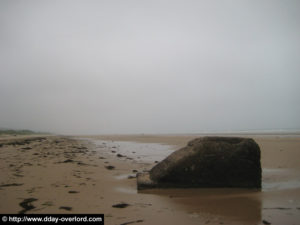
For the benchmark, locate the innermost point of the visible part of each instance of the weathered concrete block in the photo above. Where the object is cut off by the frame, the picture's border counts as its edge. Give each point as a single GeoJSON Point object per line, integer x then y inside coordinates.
{"type": "Point", "coordinates": [208, 162]}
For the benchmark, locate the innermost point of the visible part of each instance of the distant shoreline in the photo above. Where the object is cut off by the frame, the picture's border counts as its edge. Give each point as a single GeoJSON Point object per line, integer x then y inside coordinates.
{"type": "Point", "coordinates": [20, 132]}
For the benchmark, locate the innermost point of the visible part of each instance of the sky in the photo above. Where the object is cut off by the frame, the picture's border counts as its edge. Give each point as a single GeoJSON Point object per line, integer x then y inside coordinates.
{"type": "Point", "coordinates": [137, 66]}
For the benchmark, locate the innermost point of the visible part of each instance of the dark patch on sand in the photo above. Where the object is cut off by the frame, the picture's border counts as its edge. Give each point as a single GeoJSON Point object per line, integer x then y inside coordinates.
{"type": "Point", "coordinates": [110, 167]}
{"type": "Point", "coordinates": [24, 141]}
{"type": "Point", "coordinates": [279, 208]}
{"type": "Point", "coordinates": [26, 205]}
{"type": "Point", "coordinates": [68, 161]}
{"type": "Point", "coordinates": [10, 185]}
{"type": "Point", "coordinates": [18, 175]}
{"type": "Point", "coordinates": [73, 192]}
{"type": "Point", "coordinates": [120, 205]}
{"type": "Point", "coordinates": [48, 204]}
{"type": "Point", "coordinates": [266, 222]}
{"type": "Point", "coordinates": [131, 222]}
{"type": "Point", "coordinates": [68, 208]}
{"type": "Point", "coordinates": [81, 147]}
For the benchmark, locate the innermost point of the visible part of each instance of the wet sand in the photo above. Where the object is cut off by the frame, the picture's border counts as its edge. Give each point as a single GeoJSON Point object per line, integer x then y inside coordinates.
{"type": "Point", "coordinates": [56, 174]}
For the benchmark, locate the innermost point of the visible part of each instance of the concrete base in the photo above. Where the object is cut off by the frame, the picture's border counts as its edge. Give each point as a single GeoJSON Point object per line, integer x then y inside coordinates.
{"type": "Point", "coordinates": [144, 181]}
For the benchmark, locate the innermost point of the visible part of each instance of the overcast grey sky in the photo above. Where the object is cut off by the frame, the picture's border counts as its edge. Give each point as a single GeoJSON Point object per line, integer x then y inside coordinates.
{"type": "Point", "coordinates": [134, 66]}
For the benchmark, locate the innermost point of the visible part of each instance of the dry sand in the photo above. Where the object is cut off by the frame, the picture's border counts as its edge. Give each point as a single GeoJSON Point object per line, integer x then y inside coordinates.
{"type": "Point", "coordinates": [56, 174]}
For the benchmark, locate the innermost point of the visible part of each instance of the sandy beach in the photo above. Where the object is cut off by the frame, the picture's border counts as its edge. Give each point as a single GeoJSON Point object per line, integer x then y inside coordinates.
{"type": "Point", "coordinates": [96, 174]}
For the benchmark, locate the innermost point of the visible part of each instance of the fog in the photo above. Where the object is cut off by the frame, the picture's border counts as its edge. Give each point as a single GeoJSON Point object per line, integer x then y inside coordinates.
{"type": "Point", "coordinates": [97, 67]}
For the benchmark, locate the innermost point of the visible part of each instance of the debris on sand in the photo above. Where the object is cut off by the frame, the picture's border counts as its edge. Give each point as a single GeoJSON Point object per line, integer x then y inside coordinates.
{"type": "Point", "coordinates": [279, 208]}
{"type": "Point", "coordinates": [66, 208]}
{"type": "Point", "coordinates": [121, 205]}
{"type": "Point", "coordinates": [266, 222]}
{"type": "Point", "coordinates": [68, 161]}
{"type": "Point", "coordinates": [23, 141]}
{"type": "Point", "coordinates": [110, 167]}
{"type": "Point", "coordinates": [48, 203]}
{"type": "Point", "coordinates": [11, 185]}
{"type": "Point", "coordinates": [131, 222]}
{"type": "Point", "coordinates": [26, 205]}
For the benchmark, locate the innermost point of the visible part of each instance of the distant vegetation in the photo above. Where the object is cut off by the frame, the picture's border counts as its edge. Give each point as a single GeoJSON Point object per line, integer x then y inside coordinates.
{"type": "Point", "coordinates": [17, 132]}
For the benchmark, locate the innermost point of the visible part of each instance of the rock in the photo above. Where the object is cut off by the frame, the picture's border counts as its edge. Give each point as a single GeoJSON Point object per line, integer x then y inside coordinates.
{"type": "Point", "coordinates": [208, 162]}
